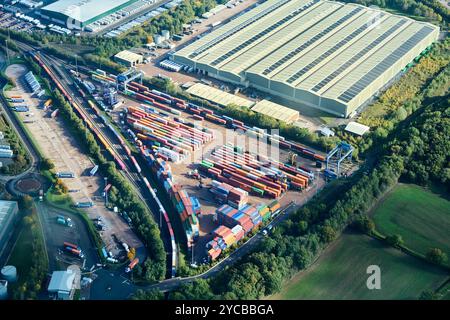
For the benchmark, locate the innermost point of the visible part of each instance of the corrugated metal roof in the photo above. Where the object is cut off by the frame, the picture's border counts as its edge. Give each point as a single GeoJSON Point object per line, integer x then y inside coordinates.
{"type": "Point", "coordinates": [128, 56]}
{"type": "Point", "coordinates": [322, 47]}
{"type": "Point", "coordinates": [357, 128]}
{"type": "Point", "coordinates": [218, 96]}
{"type": "Point", "coordinates": [61, 281]}
{"type": "Point", "coordinates": [276, 111]}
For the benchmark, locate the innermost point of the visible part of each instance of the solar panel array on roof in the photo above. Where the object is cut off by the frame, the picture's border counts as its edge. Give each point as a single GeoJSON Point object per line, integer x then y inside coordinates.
{"type": "Point", "coordinates": [264, 32]}
{"type": "Point", "coordinates": [329, 52]}
{"type": "Point", "coordinates": [236, 29]}
{"type": "Point", "coordinates": [311, 41]}
{"type": "Point", "coordinates": [359, 55]}
{"type": "Point", "coordinates": [322, 54]}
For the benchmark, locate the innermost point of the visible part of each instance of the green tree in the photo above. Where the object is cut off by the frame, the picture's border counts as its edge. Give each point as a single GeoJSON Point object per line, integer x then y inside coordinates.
{"type": "Point", "coordinates": [328, 234]}
{"type": "Point", "coordinates": [395, 240]}
{"type": "Point", "coordinates": [47, 164]}
{"type": "Point", "coordinates": [26, 203]}
{"type": "Point", "coordinates": [364, 224]}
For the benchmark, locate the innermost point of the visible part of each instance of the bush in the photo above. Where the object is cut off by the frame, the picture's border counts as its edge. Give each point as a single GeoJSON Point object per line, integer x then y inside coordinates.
{"type": "Point", "coordinates": [395, 240]}
{"type": "Point", "coordinates": [436, 256]}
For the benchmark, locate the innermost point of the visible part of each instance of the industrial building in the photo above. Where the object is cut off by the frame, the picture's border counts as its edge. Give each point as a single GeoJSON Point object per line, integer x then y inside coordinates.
{"type": "Point", "coordinates": [222, 98]}
{"type": "Point", "coordinates": [323, 54]}
{"type": "Point", "coordinates": [8, 218]}
{"type": "Point", "coordinates": [80, 13]}
{"type": "Point", "coordinates": [128, 58]}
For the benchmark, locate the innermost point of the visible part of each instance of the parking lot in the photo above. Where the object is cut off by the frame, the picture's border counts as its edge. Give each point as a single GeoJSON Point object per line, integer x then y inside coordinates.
{"type": "Point", "coordinates": [57, 144]}
{"type": "Point", "coordinates": [56, 234]}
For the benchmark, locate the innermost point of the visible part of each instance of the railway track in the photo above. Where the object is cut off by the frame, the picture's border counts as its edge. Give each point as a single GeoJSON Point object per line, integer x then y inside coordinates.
{"type": "Point", "coordinates": [62, 79]}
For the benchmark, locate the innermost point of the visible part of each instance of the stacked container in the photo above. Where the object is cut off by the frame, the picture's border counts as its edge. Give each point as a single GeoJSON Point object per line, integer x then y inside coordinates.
{"type": "Point", "coordinates": [264, 212]}
{"type": "Point", "coordinates": [171, 139]}
{"type": "Point", "coordinates": [225, 193]}
{"type": "Point", "coordinates": [225, 216]}
{"type": "Point", "coordinates": [248, 217]}
{"type": "Point", "coordinates": [238, 232]}
{"type": "Point", "coordinates": [224, 235]}
{"type": "Point", "coordinates": [255, 174]}
{"type": "Point", "coordinates": [237, 198]}
{"type": "Point", "coordinates": [274, 207]}
{"type": "Point", "coordinates": [253, 213]}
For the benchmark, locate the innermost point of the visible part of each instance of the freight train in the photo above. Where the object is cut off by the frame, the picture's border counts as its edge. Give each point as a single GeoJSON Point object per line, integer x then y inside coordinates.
{"type": "Point", "coordinates": [78, 109]}
{"type": "Point", "coordinates": [187, 208]}
{"type": "Point", "coordinates": [168, 224]}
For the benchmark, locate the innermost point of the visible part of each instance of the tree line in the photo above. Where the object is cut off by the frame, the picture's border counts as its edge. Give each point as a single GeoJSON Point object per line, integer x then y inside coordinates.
{"type": "Point", "coordinates": [21, 160]}
{"type": "Point", "coordinates": [31, 282]}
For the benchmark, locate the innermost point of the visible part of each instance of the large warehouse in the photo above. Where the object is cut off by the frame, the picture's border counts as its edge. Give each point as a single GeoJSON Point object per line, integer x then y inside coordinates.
{"type": "Point", "coordinates": [81, 12]}
{"type": "Point", "coordinates": [324, 54]}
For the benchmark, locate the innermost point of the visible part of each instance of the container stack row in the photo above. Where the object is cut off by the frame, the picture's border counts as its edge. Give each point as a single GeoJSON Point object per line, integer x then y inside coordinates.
{"type": "Point", "coordinates": [173, 140]}
{"type": "Point", "coordinates": [235, 224]}
{"type": "Point", "coordinates": [251, 173]}
{"type": "Point", "coordinates": [187, 208]}
{"type": "Point", "coordinates": [225, 193]}
{"type": "Point", "coordinates": [165, 101]}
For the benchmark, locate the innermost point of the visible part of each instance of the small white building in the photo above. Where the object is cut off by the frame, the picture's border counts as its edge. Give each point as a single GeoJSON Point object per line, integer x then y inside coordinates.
{"type": "Point", "coordinates": [327, 132]}
{"type": "Point", "coordinates": [62, 285]}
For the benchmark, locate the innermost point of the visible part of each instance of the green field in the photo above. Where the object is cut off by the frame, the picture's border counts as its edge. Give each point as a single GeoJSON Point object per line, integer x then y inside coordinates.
{"type": "Point", "coordinates": [420, 216]}
{"type": "Point", "coordinates": [340, 273]}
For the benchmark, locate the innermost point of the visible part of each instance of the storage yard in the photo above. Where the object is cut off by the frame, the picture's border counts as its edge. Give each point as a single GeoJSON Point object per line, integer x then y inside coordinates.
{"type": "Point", "coordinates": [313, 53]}
{"type": "Point", "coordinates": [71, 165]}
{"type": "Point", "coordinates": [217, 172]}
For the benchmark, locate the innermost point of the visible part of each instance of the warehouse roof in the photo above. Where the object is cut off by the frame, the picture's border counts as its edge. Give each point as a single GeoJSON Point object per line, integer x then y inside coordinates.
{"type": "Point", "coordinates": [218, 96]}
{"type": "Point", "coordinates": [276, 111]}
{"type": "Point", "coordinates": [84, 10]}
{"type": "Point", "coordinates": [357, 128]}
{"type": "Point", "coordinates": [128, 56]}
{"type": "Point", "coordinates": [61, 281]}
{"type": "Point", "coordinates": [326, 48]}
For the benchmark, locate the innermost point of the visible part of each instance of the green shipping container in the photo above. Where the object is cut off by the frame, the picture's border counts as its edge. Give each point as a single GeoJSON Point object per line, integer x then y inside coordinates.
{"type": "Point", "coordinates": [207, 163]}
{"type": "Point", "coordinates": [258, 191]}
{"type": "Point", "coordinates": [207, 166]}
